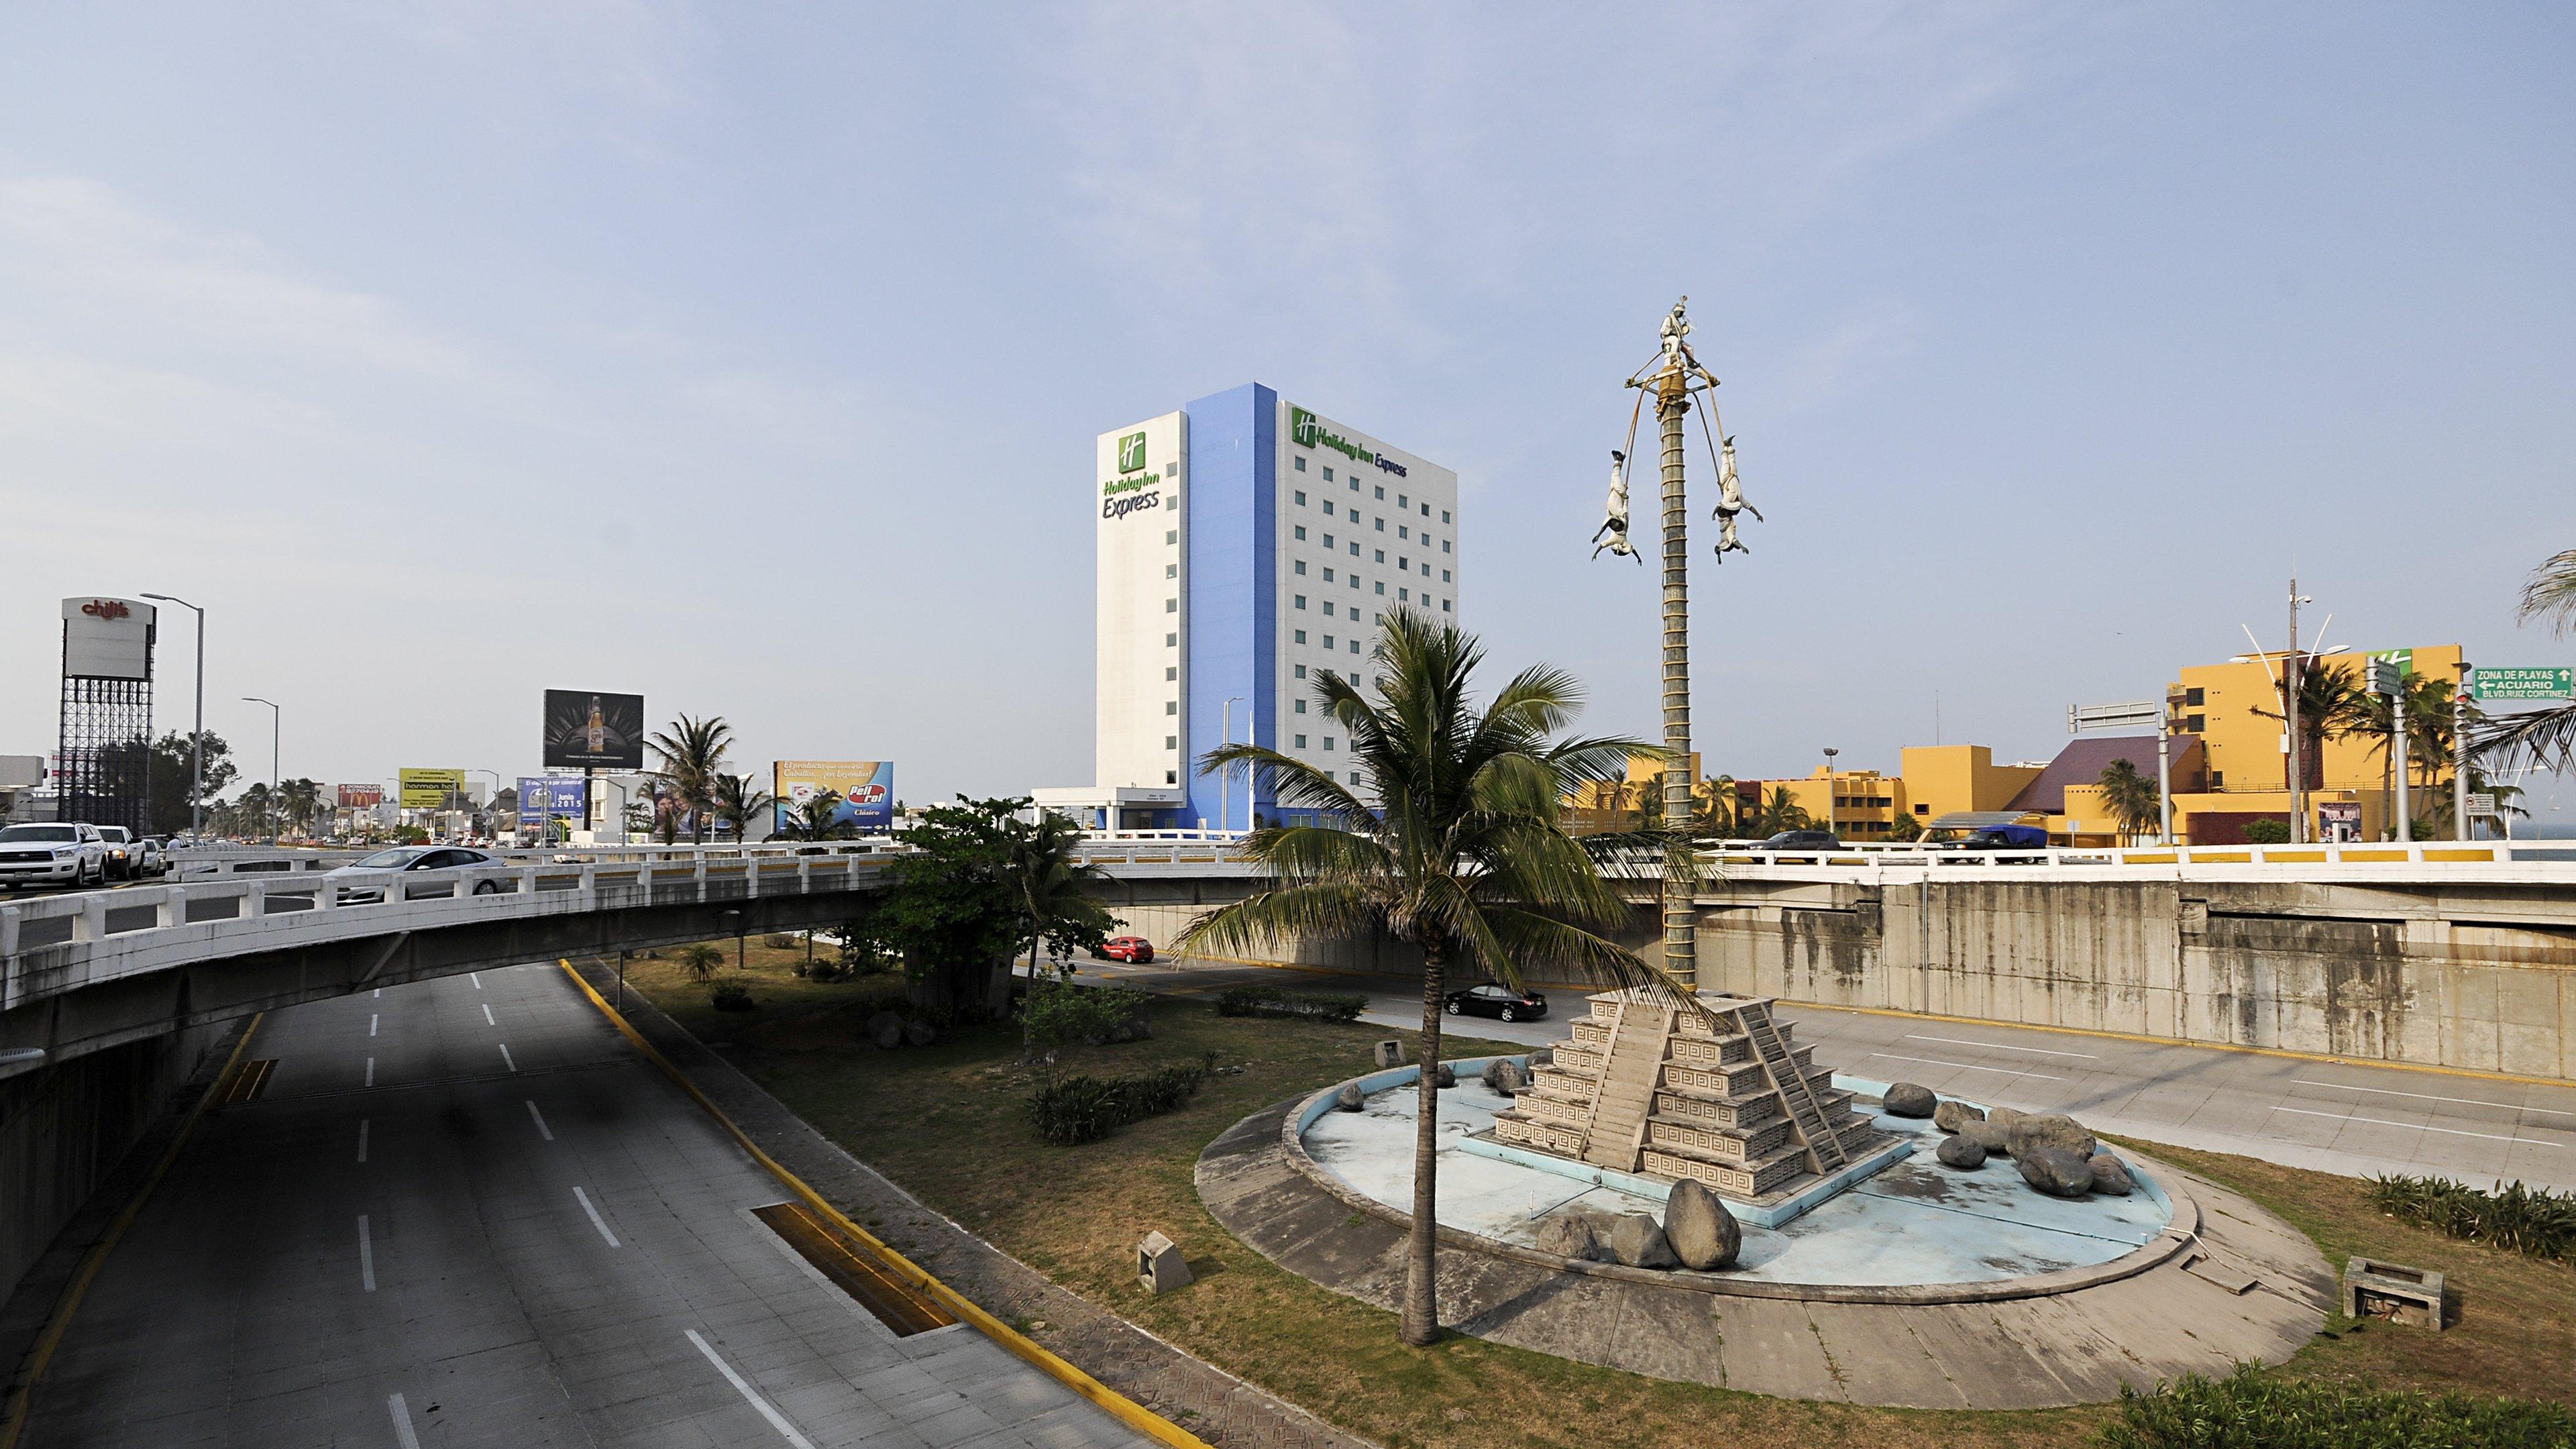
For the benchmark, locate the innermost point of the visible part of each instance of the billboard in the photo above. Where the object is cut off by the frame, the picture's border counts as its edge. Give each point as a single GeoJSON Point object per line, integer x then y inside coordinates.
{"type": "Point", "coordinates": [360, 797]}
{"type": "Point", "coordinates": [107, 638]}
{"type": "Point", "coordinates": [866, 788]}
{"type": "Point", "coordinates": [552, 797]}
{"type": "Point", "coordinates": [588, 729]}
{"type": "Point", "coordinates": [430, 789]}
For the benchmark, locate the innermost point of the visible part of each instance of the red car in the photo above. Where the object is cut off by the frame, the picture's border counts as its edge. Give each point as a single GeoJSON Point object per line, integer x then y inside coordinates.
{"type": "Point", "coordinates": [1132, 949]}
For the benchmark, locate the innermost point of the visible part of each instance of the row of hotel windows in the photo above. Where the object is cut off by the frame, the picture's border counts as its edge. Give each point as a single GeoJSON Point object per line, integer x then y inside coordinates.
{"type": "Point", "coordinates": [1402, 530]}
{"type": "Point", "coordinates": [1401, 501]}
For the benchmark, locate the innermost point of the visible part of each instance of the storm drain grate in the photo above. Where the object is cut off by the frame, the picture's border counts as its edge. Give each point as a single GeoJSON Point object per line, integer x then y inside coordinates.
{"type": "Point", "coordinates": [246, 1083]}
{"type": "Point", "coordinates": [861, 1274]}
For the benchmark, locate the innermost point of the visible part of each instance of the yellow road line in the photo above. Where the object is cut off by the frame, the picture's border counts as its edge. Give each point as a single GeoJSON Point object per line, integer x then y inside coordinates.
{"type": "Point", "coordinates": [96, 1258]}
{"type": "Point", "coordinates": [1120, 1407]}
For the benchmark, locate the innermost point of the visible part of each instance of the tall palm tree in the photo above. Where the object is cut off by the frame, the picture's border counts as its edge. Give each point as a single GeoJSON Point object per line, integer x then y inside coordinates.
{"type": "Point", "coordinates": [1721, 815]}
{"type": "Point", "coordinates": [1464, 856]}
{"type": "Point", "coordinates": [1780, 811]}
{"type": "Point", "coordinates": [738, 800]}
{"type": "Point", "coordinates": [1051, 881]}
{"type": "Point", "coordinates": [693, 755]}
{"type": "Point", "coordinates": [2133, 798]}
{"type": "Point", "coordinates": [2543, 737]}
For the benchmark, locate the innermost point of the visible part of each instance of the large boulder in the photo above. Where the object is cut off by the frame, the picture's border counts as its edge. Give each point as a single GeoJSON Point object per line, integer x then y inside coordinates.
{"type": "Point", "coordinates": [1950, 1116]}
{"type": "Point", "coordinates": [886, 1029]}
{"type": "Point", "coordinates": [2055, 1171]}
{"type": "Point", "coordinates": [1961, 1151]}
{"type": "Point", "coordinates": [2111, 1175]}
{"type": "Point", "coordinates": [1636, 1241]}
{"type": "Point", "coordinates": [1701, 1232]}
{"type": "Point", "coordinates": [1988, 1134]}
{"type": "Point", "coordinates": [1573, 1235]}
{"type": "Point", "coordinates": [1906, 1099]}
{"type": "Point", "coordinates": [2003, 1116]}
{"type": "Point", "coordinates": [1443, 1078]}
{"type": "Point", "coordinates": [2050, 1129]}
{"type": "Point", "coordinates": [919, 1033]}
{"type": "Point", "coordinates": [1543, 1057]}
{"type": "Point", "coordinates": [1503, 1075]}
{"type": "Point", "coordinates": [1352, 1099]}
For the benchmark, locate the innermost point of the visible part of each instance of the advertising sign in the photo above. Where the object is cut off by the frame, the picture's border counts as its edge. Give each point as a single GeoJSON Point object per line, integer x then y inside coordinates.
{"type": "Point", "coordinates": [2341, 820]}
{"type": "Point", "coordinates": [430, 789]}
{"type": "Point", "coordinates": [2541, 683]}
{"type": "Point", "coordinates": [107, 638]}
{"type": "Point", "coordinates": [552, 797]}
{"type": "Point", "coordinates": [866, 788]}
{"type": "Point", "coordinates": [360, 797]}
{"type": "Point", "coordinates": [585, 728]}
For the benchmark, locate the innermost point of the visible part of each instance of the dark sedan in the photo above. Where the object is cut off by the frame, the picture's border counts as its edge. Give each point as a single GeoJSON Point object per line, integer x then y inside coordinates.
{"type": "Point", "coordinates": [1492, 1000]}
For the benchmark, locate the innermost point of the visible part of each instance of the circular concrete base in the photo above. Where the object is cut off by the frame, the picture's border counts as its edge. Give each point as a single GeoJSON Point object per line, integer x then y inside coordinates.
{"type": "Point", "coordinates": [2228, 1282]}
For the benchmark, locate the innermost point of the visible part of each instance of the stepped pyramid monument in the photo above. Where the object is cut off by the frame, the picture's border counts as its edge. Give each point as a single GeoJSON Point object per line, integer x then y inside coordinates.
{"type": "Point", "coordinates": [1651, 1087]}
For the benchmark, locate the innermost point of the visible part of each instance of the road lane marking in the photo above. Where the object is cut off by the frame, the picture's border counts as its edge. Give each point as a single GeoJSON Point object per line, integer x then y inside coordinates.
{"type": "Point", "coordinates": [2429, 1097]}
{"type": "Point", "coordinates": [1998, 1046]}
{"type": "Point", "coordinates": [478, 979]}
{"type": "Point", "coordinates": [505, 1057]}
{"type": "Point", "coordinates": [777, 1420]}
{"type": "Point", "coordinates": [403, 1434]}
{"type": "Point", "coordinates": [596, 1220]}
{"type": "Point", "coordinates": [366, 1255]}
{"type": "Point", "coordinates": [487, 1015]}
{"type": "Point", "coordinates": [372, 1018]}
{"type": "Point", "coordinates": [1967, 1066]}
{"type": "Point", "coordinates": [2417, 1126]}
{"type": "Point", "coordinates": [362, 1139]}
{"type": "Point", "coordinates": [371, 1071]}
{"type": "Point", "coordinates": [380, 992]}
{"type": "Point", "coordinates": [540, 1120]}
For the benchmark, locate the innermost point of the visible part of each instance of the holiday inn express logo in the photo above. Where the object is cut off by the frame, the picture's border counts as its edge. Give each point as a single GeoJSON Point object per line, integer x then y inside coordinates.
{"type": "Point", "coordinates": [1306, 432]}
{"type": "Point", "coordinates": [1131, 453]}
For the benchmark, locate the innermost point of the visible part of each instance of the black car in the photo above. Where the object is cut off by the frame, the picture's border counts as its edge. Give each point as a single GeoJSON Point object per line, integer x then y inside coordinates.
{"type": "Point", "coordinates": [1492, 1000]}
{"type": "Point", "coordinates": [1803, 840]}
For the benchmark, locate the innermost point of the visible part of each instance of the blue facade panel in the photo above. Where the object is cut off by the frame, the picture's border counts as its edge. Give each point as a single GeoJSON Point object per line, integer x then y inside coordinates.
{"type": "Point", "coordinates": [1233, 589]}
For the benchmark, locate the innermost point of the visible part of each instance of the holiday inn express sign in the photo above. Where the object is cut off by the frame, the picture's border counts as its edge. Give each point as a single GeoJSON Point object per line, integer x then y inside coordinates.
{"type": "Point", "coordinates": [1307, 431]}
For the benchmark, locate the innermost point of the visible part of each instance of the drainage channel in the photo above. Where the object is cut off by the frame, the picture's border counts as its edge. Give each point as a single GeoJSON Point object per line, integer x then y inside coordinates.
{"type": "Point", "coordinates": [895, 1303]}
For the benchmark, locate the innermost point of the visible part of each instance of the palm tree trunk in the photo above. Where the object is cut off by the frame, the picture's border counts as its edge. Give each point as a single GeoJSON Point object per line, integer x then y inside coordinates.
{"type": "Point", "coordinates": [1421, 1298]}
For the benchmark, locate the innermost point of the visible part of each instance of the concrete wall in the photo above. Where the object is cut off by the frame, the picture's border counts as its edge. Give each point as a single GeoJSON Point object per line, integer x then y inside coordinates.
{"type": "Point", "coordinates": [64, 1129]}
{"type": "Point", "coordinates": [2480, 978]}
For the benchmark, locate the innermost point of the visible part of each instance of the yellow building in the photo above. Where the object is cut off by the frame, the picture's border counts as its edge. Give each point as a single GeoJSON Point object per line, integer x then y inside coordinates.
{"type": "Point", "coordinates": [1635, 802]}
{"type": "Point", "coordinates": [1946, 779]}
{"type": "Point", "coordinates": [2235, 709]}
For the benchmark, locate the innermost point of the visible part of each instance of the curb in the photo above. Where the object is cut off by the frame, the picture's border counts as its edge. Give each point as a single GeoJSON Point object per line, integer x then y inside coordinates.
{"type": "Point", "coordinates": [1117, 1405]}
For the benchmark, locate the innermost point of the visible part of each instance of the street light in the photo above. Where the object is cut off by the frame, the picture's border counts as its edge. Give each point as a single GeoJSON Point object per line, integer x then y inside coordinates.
{"type": "Point", "coordinates": [197, 742]}
{"type": "Point", "coordinates": [276, 720]}
{"type": "Point", "coordinates": [1225, 776]}
{"type": "Point", "coordinates": [494, 808]}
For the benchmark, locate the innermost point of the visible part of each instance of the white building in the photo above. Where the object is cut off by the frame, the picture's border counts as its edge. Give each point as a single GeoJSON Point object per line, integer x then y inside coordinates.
{"type": "Point", "coordinates": [1246, 545]}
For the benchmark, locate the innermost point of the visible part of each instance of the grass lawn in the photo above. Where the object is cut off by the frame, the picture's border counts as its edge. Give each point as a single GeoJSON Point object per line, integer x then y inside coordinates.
{"type": "Point", "coordinates": [945, 1122]}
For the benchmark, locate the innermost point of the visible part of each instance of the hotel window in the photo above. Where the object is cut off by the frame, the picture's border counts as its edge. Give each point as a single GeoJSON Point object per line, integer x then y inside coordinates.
{"type": "Point", "coordinates": [1426, 510]}
{"type": "Point", "coordinates": [1328, 575]}
{"type": "Point", "coordinates": [1328, 608]}
{"type": "Point", "coordinates": [1355, 646]}
{"type": "Point", "coordinates": [1381, 525]}
{"type": "Point", "coordinates": [1328, 509]}
{"type": "Point", "coordinates": [2194, 724]}
{"type": "Point", "coordinates": [1171, 606]}
{"type": "Point", "coordinates": [1301, 565]}
{"type": "Point", "coordinates": [1301, 742]}
{"type": "Point", "coordinates": [2193, 698]}
{"type": "Point", "coordinates": [1381, 587]}
{"type": "Point", "coordinates": [1403, 502]}
{"type": "Point", "coordinates": [1381, 493]}
{"type": "Point", "coordinates": [1171, 671]}
{"type": "Point", "coordinates": [1355, 549]}
{"type": "Point", "coordinates": [1403, 532]}
{"type": "Point", "coordinates": [1301, 465]}
{"type": "Point", "coordinates": [1403, 565]}
{"type": "Point", "coordinates": [1171, 571]}
{"type": "Point", "coordinates": [1444, 515]}
{"type": "Point", "coordinates": [1171, 706]}
{"type": "Point", "coordinates": [1301, 601]}
{"type": "Point", "coordinates": [1355, 581]}
{"type": "Point", "coordinates": [1444, 545]}
{"type": "Point", "coordinates": [1301, 497]}
{"type": "Point", "coordinates": [1301, 533]}
{"type": "Point", "coordinates": [1301, 638]}
{"type": "Point", "coordinates": [1171, 535]}
{"type": "Point", "coordinates": [1301, 704]}
{"type": "Point", "coordinates": [1381, 555]}
{"type": "Point", "coordinates": [1328, 474]}
{"type": "Point", "coordinates": [1171, 470]}
{"type": "Point", "coordinates": [1381, 618]}
{"type": "Point", "coordinates": [1328, 641]}
{"type": "Point", "coordinates": [1170, 742]}
{"type": "Point", "coordinates": [1301, 669]}
{"type": "Point", "coordinates": [1328, 742]}
{"type": "Point", "coordinates": [1355, 487]}
{"type": "Point", "coordinates": [1171, 641]}
{"type": "Point", "coordinates": [1426, 571]}
{"type": "Point", "coordinates": [1444, 606]}
{"type": "Point", "coordinates": [1403, 595]}
{"type": "Point", "coordinates": [1444, 573]}
{"type": "Point", "coordinates": [1328, 540]}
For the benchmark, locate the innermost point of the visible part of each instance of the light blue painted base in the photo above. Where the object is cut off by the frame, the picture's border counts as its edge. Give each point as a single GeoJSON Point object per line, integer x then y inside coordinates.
{"type": "Point", "coordinates": [1771, 1215]}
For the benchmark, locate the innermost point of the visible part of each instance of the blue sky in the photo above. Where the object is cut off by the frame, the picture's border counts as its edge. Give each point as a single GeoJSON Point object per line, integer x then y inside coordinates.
{"type": "Point", "coordinates": [750, 357]}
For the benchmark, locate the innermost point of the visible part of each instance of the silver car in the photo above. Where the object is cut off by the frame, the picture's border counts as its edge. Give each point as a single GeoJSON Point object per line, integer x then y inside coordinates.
{"type": "Point", "coordinates": [69, 854]}
{"type": "Point", "coordinates": [409, 858]}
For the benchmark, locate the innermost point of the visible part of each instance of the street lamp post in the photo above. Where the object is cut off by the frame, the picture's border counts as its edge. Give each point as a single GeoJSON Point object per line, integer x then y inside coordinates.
{"type": "Point", "coordinates": [1831, 823]}
{"type": "Point", "coordinates": [276, 721]}
{"type": "Point", "coordinates": [197, 740]}
{"type": "Point", "coordinates": [495, 806]}
{"type": "Point", "coordinates": [1225, 777]}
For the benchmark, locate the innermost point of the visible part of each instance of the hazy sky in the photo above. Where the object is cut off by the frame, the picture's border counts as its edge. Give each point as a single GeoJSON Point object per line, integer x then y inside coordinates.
{"type": "Point", "coordinates": [750, 357]}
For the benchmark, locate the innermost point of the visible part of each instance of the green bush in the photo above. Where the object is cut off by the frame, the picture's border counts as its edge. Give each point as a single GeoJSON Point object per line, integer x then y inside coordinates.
{"type": "Point", "coordinates": [730, 996]}
{"type": "Point", "coordinates": [2267, 832]}
{"type": "Point", "coordinates": [1271, 1001]}
{"type": "Point", "coordinates": [2530, 1220]}
{"type": "Point", "coordinates": [1055, 1014]}
{"type": "Point", "coordinates": [1073, 1110]}
{"type": "Point", "coordinates": [702, 960]}
{"type": "Point", "coordinates": [2250, 1409]}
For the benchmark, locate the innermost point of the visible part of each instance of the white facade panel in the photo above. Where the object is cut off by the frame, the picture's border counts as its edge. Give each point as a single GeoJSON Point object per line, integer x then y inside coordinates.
{"type": "Point", "coordinates": [1143, 602]}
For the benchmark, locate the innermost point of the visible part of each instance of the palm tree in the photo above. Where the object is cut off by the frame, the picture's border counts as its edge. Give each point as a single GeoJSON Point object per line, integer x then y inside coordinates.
{"type": "Point", "coordinates": [1465, 855]}
{"type": "Point", "coordinates": [813, 819]}
{"type": "Point", "coordinates": [2133, 798]}
{"type": "Point", "coordinates": [1907, 827]}
{"type": "Point", "coordinates": [1720, 815]}
{"type": "Point", "coordinates": [693, 755]}
{"type": "Point", "coordinates": [738, 800]}
{"type": "Point", "coordinates": [1050, 880]}
{"type": "Point", "coordinates": [1780, 811]}
{"type": "Point", "coordinates": [2543, 737]}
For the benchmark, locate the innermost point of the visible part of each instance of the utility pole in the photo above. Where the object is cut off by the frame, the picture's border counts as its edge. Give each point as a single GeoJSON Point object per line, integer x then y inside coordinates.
{"type": "Point", "coordinates": [197, 742]}
{"type": "Point", "coordinates": [276, 718]}
{"type": "Point", "coordinates": [2293, 668]}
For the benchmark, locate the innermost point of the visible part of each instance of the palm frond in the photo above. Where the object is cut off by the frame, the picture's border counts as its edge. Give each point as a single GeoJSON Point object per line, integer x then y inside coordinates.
{"type": "Point", "coordinates": [1265, 917]}
{"type": "Point", "coordinates": [2550, 593]}
{"type": "Point", "coordinates": [2542, 737]}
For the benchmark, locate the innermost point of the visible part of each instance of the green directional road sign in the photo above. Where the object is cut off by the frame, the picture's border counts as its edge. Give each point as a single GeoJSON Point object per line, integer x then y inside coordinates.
{"type": "Point", "coordinates": [2545, 683]}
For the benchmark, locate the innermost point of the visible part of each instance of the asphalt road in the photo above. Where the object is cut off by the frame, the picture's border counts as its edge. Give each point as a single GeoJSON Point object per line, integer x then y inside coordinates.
{"type": "Point", "coordinates": [2331, 1116]}
{"type": "Point", "coordinates": [467, 1213]}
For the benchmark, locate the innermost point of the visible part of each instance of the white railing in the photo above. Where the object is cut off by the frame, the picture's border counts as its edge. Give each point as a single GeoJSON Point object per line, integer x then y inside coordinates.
{"type": "Point", "coordinates": [2518, 860]}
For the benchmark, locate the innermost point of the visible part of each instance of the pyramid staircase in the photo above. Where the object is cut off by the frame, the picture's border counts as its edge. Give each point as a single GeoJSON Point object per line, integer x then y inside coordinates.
{"type": "Point", "coordinates": [1649, 1087]}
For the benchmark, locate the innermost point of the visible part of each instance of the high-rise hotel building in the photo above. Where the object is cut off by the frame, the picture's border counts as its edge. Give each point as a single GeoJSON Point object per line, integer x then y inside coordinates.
{"type": "Point", "coordinates": [1246, 544]}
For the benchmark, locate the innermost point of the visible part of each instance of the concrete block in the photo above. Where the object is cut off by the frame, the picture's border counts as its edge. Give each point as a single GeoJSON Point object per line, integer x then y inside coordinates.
{"type": "Point", "coordinates": [1159, 1265]}
{"type": "Point", "coordinates": [2373, 1289]}
{"type": "Point", "coordinates": [1389, 1053]}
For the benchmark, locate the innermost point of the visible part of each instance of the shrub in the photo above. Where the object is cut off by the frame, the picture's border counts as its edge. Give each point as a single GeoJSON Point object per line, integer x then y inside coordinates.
{"type": "Point", "coordinates": [1073, 1110]}
{"type": "Point", "coordinates": [2530, 1220]}
{"type": "Point", "coordinates": [1271, 1001]}
{"type": "Point", "coordinates": [2250, 1409]}
{"type": "Point", "coordinates": [779, 941]}
{"type": "Point", "coordinates": [702, 961]}
{"type": "Point", "coordinates": [730, 996]}
{"type": "Point", "coordinates": [1061, 1015]}
{"type": "Point", "coordinates": [2267, 832]}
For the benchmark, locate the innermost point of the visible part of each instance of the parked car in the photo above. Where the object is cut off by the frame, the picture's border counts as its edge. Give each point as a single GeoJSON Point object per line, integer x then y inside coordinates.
{"type": "Point", "coordinates": [130, 857]}
{"type": "Point", "coordinates": [1492, 999]}
{"type": "Point", "coordinates": [413, 858]}
{"type": "Point", "coordinates": [72, 855]}
{"type": "Point", "coordinates": [1803, 840]}
{"type": "Point", "coordinates": [1990, 837]}
{"type": "Point", "coordinates": [1135, 950]}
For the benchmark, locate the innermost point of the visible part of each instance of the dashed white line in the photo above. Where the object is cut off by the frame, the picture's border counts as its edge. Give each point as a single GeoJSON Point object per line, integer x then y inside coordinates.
{"type": "Point", "coordinates": [1967, 1066]}
{"type": "Point", "coordinates": [2418, 1126]}
{"type": "Point", "coordinates": [1998, 1046]}
{"type": "Point", "coordinates": [366, 1255]}
{"type": "Point", "coordinates": [380, 993]}
{"type": "Point", "coordinates": [371, 1071]}
{"type": "Point", "coordinates": [2429, 1097]}
{"type": "Point", "coordinates": [403, 1434]}
{"type": "Point", "coordinates": [540, 1119]}
{"type": "Point", "coordinates": [478, 979]}
{"type": "Point", "coordinates": [487, 1015]}
{"type": "Point", "coordinates": [777, 1420]}
{"type": "Point", "coordinates": [596, 1220]}
{"type": "Point", "coordinates": [362, 1139]}
{"type": "Point", "coordinates": [505, 1057]}
{"type": "Point", "coordinates": [372, 1019]}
